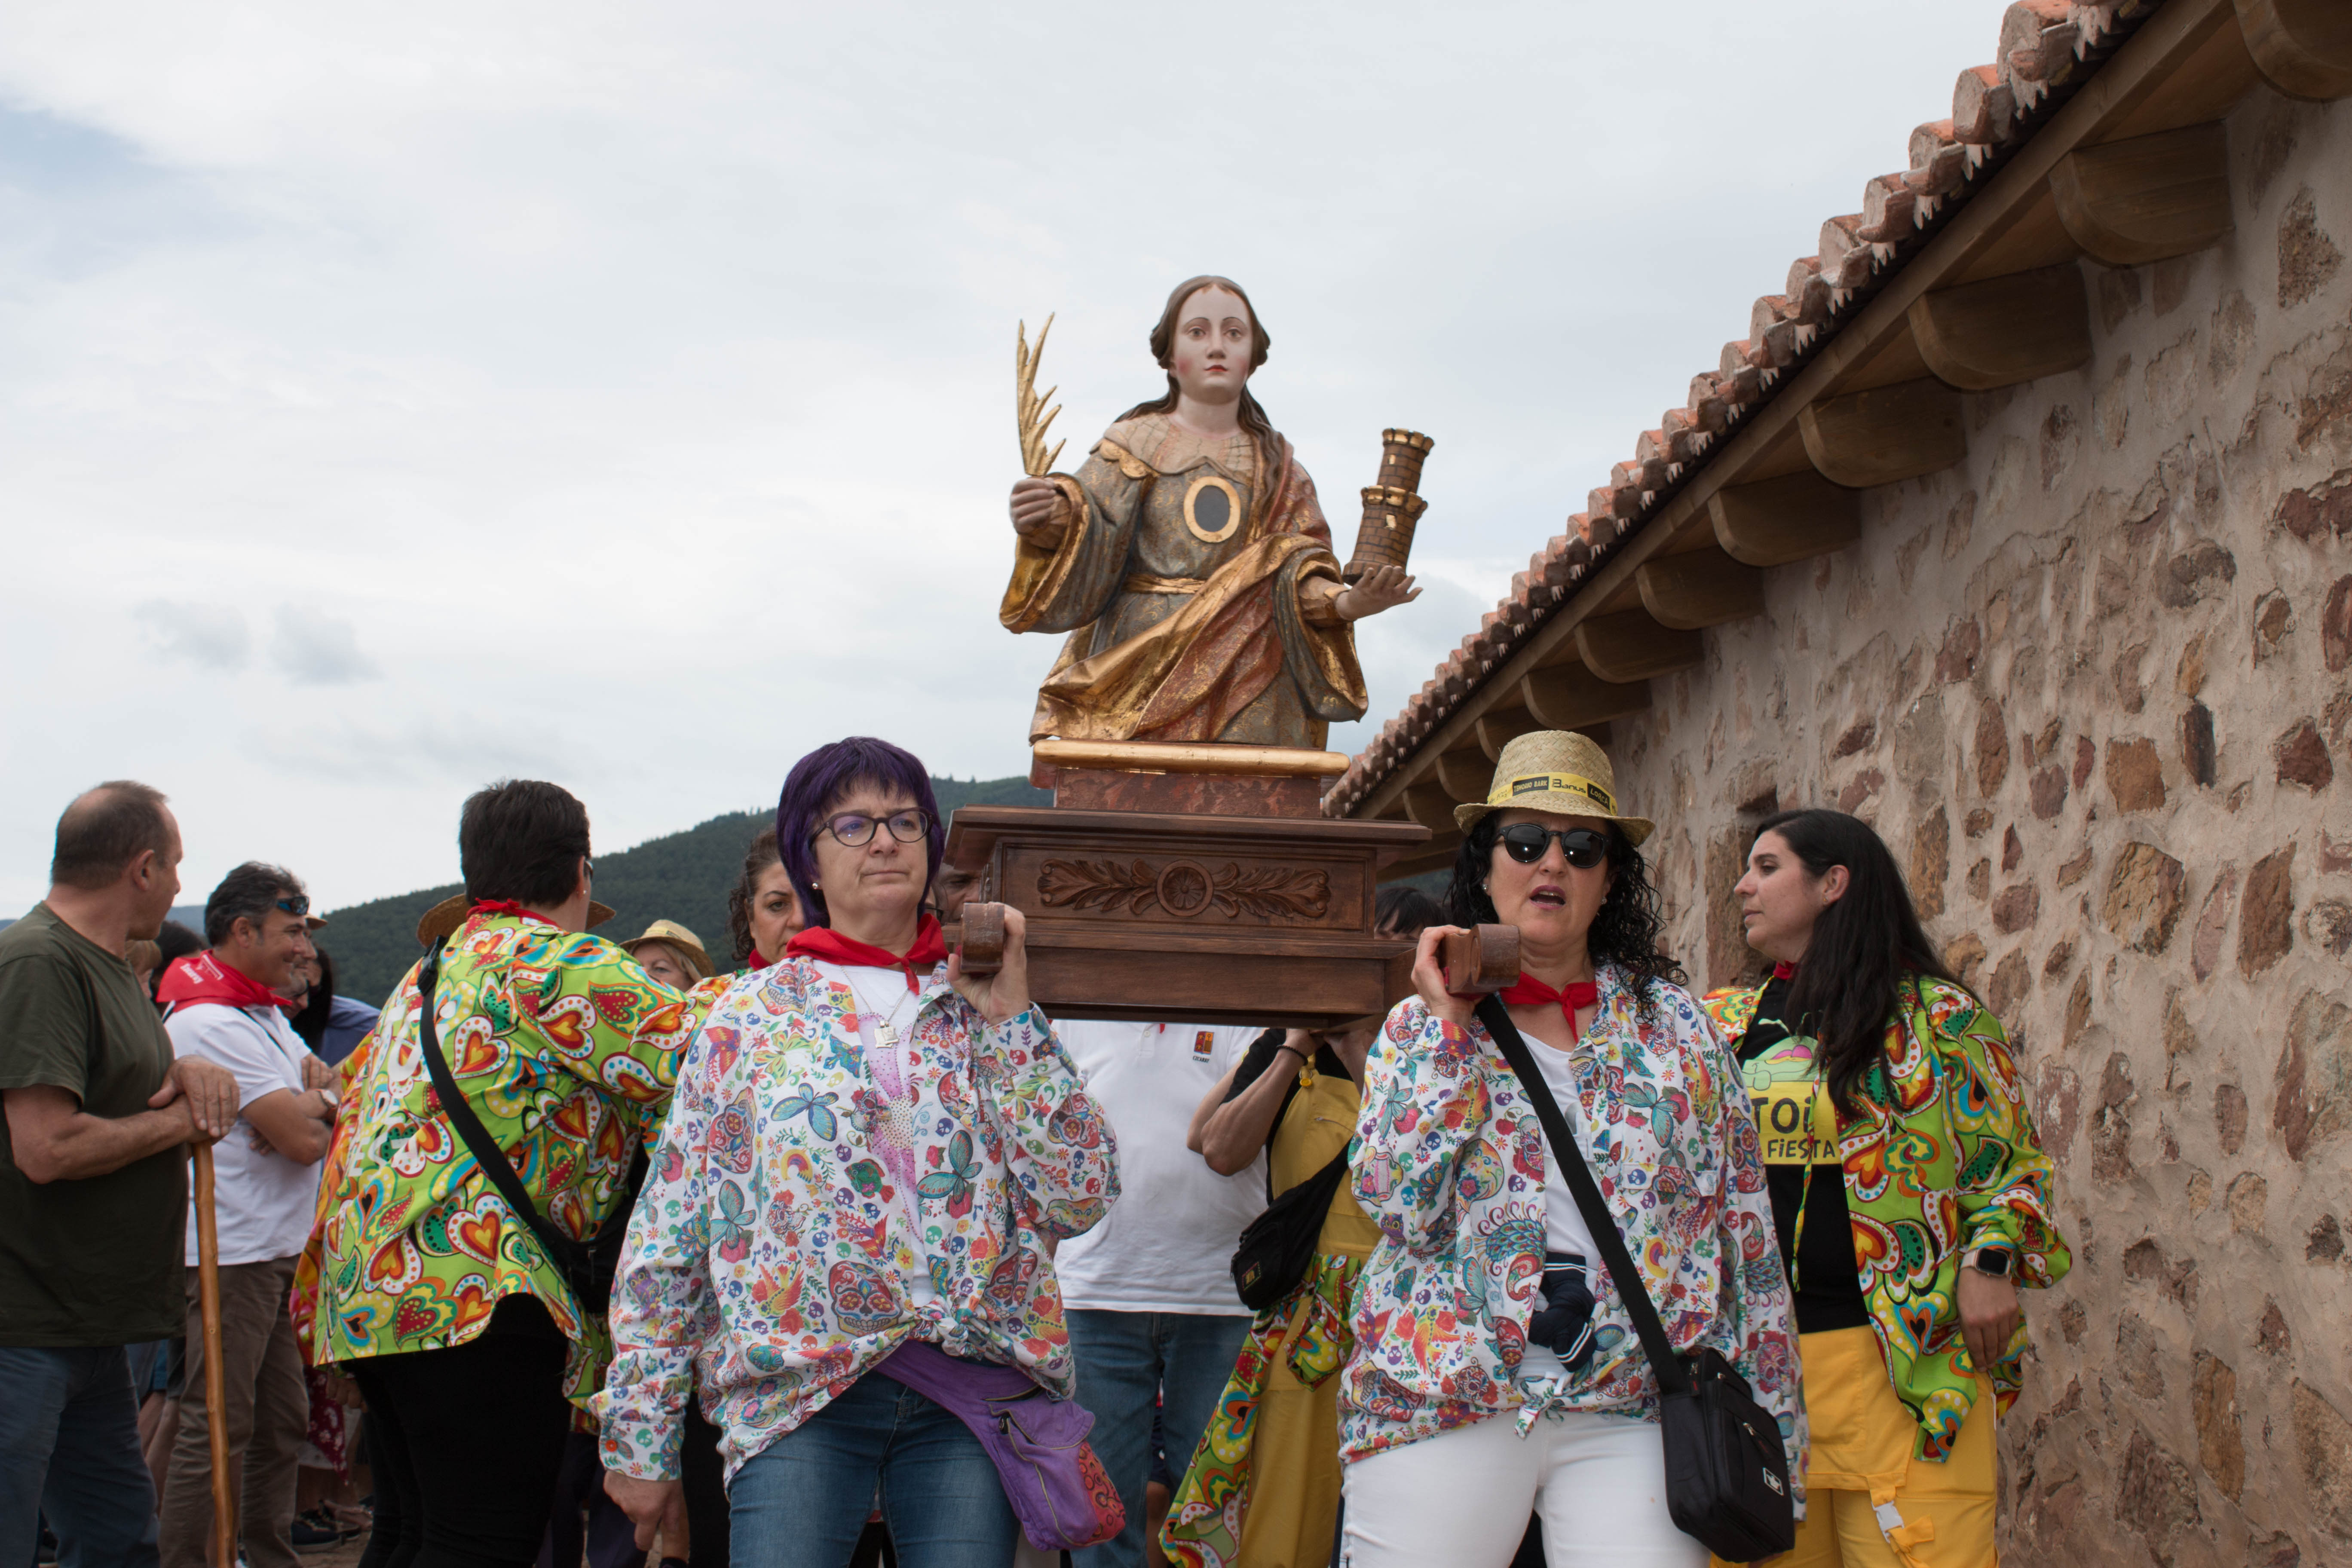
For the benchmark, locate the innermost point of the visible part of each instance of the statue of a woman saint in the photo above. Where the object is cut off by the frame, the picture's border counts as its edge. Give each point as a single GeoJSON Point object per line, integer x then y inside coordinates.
{"type": "Point", "coordinates": [1190, 563]}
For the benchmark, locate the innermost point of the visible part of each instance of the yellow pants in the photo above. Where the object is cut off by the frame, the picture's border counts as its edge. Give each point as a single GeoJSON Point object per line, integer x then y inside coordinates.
{"type": "Point", "coordinates": [1868, 1503]}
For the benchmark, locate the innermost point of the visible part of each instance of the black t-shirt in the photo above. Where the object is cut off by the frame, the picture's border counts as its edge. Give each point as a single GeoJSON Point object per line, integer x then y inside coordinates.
{"type": "Point", "coordinates": [1826, 1280]}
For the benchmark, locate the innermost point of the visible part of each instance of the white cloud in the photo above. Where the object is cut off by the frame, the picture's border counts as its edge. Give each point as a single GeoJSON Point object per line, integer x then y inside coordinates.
{"type": "Point", "coordinates": [632, 385]}
{"type": "Point", "coordinates": [312, 649]}
{"type": "Point", "coordinates": [210, 637]}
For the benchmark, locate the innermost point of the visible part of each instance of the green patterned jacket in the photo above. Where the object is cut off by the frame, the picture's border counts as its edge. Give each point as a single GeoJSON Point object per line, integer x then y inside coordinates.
{"type": "Point", "coordinates": [1942, 1160]}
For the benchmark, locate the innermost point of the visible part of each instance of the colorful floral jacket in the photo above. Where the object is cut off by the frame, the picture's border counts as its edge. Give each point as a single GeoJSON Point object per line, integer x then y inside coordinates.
{"type": "Point", "coordinates": [567, 1049]}
{"type": "Point", "coordinates": [768, 1259]}
{"type": "Point", "coordinates": [1451, 1163]}
{"type": "Point", "coordinates": [1943, 1160]}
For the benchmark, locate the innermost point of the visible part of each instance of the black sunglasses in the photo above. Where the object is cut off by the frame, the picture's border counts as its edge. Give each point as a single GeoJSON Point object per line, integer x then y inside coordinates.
{"type": "Point", "coordinates": [298, 905]}
{"type": "Point", "coordinates": [1526, 842]}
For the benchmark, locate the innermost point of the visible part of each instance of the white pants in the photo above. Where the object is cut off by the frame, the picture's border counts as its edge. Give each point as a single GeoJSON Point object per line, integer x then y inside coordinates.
{"type": "Point", "coordinates": [1462, 1498]}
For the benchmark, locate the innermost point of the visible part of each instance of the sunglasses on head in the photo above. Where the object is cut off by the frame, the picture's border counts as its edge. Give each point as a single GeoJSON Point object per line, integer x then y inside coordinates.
{"type": "Point", "coordinates": [1526, 842]}
{"type": "Point", "coordinates": [296, 905]}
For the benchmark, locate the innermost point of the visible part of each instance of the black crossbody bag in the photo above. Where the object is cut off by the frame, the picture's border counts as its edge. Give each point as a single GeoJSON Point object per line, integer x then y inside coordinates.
{"type": "Point", "coordinates": [1726, 1468]}
{"type": "Point", "coordinates": [1277, 1247]}
{"type": "Point", "coordinates": [587, 1266]}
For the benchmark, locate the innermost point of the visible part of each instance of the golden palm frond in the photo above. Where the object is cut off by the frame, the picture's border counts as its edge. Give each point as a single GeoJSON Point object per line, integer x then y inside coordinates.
{"type": "Point", "coordinates": [1035, 459]}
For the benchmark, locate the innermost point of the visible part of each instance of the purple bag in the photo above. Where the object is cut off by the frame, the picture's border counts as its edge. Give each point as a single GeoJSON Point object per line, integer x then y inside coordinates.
{"type": "Point", "coordinates": [1057, 1487]}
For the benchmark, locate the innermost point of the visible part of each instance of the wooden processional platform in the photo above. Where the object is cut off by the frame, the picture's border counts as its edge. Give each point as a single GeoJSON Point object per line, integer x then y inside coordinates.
{"type": "Point", "coordinates": [1198, 882]}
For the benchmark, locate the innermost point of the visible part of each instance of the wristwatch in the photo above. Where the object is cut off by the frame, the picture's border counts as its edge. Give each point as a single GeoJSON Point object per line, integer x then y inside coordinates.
{"type": "Point", "coordinates": [1992, 1260]}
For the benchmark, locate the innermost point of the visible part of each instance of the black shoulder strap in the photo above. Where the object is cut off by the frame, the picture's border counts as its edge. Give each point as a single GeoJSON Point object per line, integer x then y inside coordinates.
{"type": "Point", "coordinates": [561, 1250]}
{"type": "Point", "coordinates": [1569, 1157]}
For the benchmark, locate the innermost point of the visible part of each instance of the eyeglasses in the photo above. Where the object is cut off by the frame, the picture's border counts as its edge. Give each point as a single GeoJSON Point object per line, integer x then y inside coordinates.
{"type": "Point", "coordinates": [1526, 842]}
{"type": "Point", "coordinates": [854, 829]}
{"type": "Point", "coordinates": [296, 905]}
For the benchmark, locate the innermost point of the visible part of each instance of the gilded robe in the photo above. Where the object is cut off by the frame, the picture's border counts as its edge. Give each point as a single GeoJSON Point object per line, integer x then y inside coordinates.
{"type": "Point", "coordinates": [1185, 616]}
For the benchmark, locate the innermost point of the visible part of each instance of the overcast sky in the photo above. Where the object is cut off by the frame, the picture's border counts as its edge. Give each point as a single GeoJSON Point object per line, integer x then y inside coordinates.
{"type": "Point", "coordinates": [397, 397]}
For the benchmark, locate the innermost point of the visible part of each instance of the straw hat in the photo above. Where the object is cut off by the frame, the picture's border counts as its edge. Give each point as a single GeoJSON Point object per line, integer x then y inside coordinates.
{"type": "Point", "coordinates": [1558, 770]}
{"type": "Point", "coordinates": [678, 937]}
{"type": "Point", "coordinates": [450, 913]}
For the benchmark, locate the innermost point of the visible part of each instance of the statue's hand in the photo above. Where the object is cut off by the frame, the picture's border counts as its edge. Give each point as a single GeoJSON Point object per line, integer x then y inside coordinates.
{"type": "Point", "coordinates": [1379, 588]}
{"type": "Point", "coordinates": [1041, 513]}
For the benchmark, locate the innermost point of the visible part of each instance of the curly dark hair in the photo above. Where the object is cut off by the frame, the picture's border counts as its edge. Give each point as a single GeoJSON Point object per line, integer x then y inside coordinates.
{"type": "Point", "coordinates": [756, 860]}
{"type": "Point", "coordinates": [1625, 930]}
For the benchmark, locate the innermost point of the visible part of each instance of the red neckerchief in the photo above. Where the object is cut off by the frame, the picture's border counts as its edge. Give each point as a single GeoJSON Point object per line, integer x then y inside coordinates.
{"type": "Point", "coordinates": [1784, 970]}
{"type": "Point", "coordinates": [757, 962]}
{"type": "Point", "coordinates": [1530, 992]}
{"type": "Point", "coordinates": [507, 907]}
{"type": "Point", "coordinates": [200, 977]}
{"type": "Point", "coordinates": [823, 941]}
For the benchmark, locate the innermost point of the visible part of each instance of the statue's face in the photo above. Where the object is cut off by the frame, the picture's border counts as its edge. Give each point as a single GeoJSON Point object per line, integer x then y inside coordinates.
{"type": "Point", "coordinates": [1212, 346]}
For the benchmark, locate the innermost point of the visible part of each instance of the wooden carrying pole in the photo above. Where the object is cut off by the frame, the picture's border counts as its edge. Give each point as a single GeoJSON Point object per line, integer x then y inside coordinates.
{"type": "Point", "coordinates": [216, 1376]}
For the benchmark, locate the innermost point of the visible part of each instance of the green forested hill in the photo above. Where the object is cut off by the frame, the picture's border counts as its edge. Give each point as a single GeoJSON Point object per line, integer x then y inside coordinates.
{"type": "Point", "coordinates": [683, 877]}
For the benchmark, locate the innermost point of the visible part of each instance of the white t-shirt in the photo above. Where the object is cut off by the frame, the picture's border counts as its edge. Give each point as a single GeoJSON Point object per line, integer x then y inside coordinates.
{"type": "Point", "coordinates": [1167, 1245]}
{"type": "Point", "coordinates": [890, 1066]}
{"type": "Point", "coordinates": [262, 1201]}
{"type": "Point", "coordinates": [1564, 1226]}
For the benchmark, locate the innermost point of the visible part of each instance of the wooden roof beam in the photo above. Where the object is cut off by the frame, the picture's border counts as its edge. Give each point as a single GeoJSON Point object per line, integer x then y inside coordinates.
{"type": "Point", "coordinates": [1570, 697]}
{"type": "Point", "coordinates": [2130, 203]}
{"type": "Point", "coordinates": [1703, 588]}
{"type": "Point", "coordinates": [2304, 46]}
{"type": "Point", "coordinates": [1630, 646]}
{"type": "Point", "coordinates": [2004, 331]}
{"type": "Point", "coordinates": [1430, 806]}
{"type": "Point", "coordinates": [1886, 433]}
{"type": "Point", "coordinates": [1497, 729]}
{"type": "Point", "coordinates": [1775, 522]}
{"type": "Point", "coordinates": [1465, 776]}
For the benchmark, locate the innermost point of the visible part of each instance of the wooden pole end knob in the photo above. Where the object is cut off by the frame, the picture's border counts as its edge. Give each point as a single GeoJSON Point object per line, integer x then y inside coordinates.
{"type": "Point", "coordinates": [1483, 959]}
{"type": "Point", "coordinates": [981, 939]}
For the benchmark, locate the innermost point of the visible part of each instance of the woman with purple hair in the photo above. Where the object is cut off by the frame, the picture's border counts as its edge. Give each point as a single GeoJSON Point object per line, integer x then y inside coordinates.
{"type": "Point", "coordinates": [867, 1156]}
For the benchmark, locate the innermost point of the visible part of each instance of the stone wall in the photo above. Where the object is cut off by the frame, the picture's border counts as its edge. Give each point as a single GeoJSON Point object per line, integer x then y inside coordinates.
{"type": "Point", "coordinates": [2091, 686]}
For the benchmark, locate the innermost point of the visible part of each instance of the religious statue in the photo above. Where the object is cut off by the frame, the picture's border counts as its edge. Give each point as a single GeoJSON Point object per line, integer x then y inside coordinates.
{"type": "Point", "coordinates": [1188, 559]}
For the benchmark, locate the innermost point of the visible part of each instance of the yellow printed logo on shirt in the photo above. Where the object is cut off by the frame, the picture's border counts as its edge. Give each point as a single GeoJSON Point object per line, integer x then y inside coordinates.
{"type": "Point", "coordinates": [1794, 1117]}
{"type": "Point", "coordinates": [1203, 1042]}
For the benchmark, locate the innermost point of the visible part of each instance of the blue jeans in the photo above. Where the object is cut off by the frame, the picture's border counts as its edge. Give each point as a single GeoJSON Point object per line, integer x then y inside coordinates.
{"type": "Point", "coordinates": [69, 1449]}
{"type": "Point", "coordinates": [1126, 1362]}
{"type": "Point", "coordinates": [801, 1501]}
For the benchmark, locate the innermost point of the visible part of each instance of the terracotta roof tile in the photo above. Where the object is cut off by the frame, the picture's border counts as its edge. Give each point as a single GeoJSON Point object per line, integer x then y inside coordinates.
{"type": "Point", "coordinates": [2041, 44]}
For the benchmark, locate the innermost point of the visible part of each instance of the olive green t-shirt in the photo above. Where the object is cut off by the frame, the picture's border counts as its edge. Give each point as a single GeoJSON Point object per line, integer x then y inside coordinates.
{"type": "Point", "coordinates": [97, 1262]}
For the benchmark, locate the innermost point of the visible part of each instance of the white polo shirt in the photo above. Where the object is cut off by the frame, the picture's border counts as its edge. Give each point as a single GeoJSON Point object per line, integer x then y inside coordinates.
{"type": "Point", "coordinates": [1167, 1245]}
{"type": "Point", "coordinates": [262, 1201]}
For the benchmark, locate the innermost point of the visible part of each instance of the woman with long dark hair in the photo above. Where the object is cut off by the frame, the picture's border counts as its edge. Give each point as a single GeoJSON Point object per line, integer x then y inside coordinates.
{"type": "Point", "coordinates": [851, 1204]}
{"type": "Point", "coordinates": [1909, 1195]}
{"type": "Point", "coordinates": [1495, 1371]}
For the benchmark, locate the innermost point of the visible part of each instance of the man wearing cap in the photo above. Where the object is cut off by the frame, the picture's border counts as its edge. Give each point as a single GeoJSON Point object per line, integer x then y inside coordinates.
{"type": "Point", "coordinates": [463, 1290]}
{"type": "Point", "coordinates": [671, 954]}
{"type": "Point", "coordinates": [226, 1005]}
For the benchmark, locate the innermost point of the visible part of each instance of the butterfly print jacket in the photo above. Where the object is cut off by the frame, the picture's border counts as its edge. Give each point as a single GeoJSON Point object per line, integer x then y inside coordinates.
{"type": "Point", "coordinates": [769, 1262]}
{"type": "Point", "coordinates": [1451, 1163]}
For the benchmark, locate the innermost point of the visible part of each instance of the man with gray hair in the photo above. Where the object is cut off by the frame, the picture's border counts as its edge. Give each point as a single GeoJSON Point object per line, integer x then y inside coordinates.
{"type": "Point", "coordinates": [227, 1005]}
{"type": "Point", "coordinates": [93, 1181]}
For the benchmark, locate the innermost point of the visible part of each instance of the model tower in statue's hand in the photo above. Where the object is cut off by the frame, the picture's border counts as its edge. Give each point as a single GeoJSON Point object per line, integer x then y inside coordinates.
{"type": "Point", "coordinates": [1188, 558]}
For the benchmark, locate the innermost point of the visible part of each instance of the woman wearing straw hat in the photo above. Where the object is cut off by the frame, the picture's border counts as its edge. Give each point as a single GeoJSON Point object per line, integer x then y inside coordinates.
{"type": "Point", "coordinates": [1495, 1369]}
{"type": "Point", "coordinates": [671, 954]}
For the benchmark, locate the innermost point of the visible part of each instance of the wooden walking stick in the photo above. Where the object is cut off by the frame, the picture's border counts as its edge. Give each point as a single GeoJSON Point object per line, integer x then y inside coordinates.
{"type": "Point", "coordinates": [216, 1376]}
